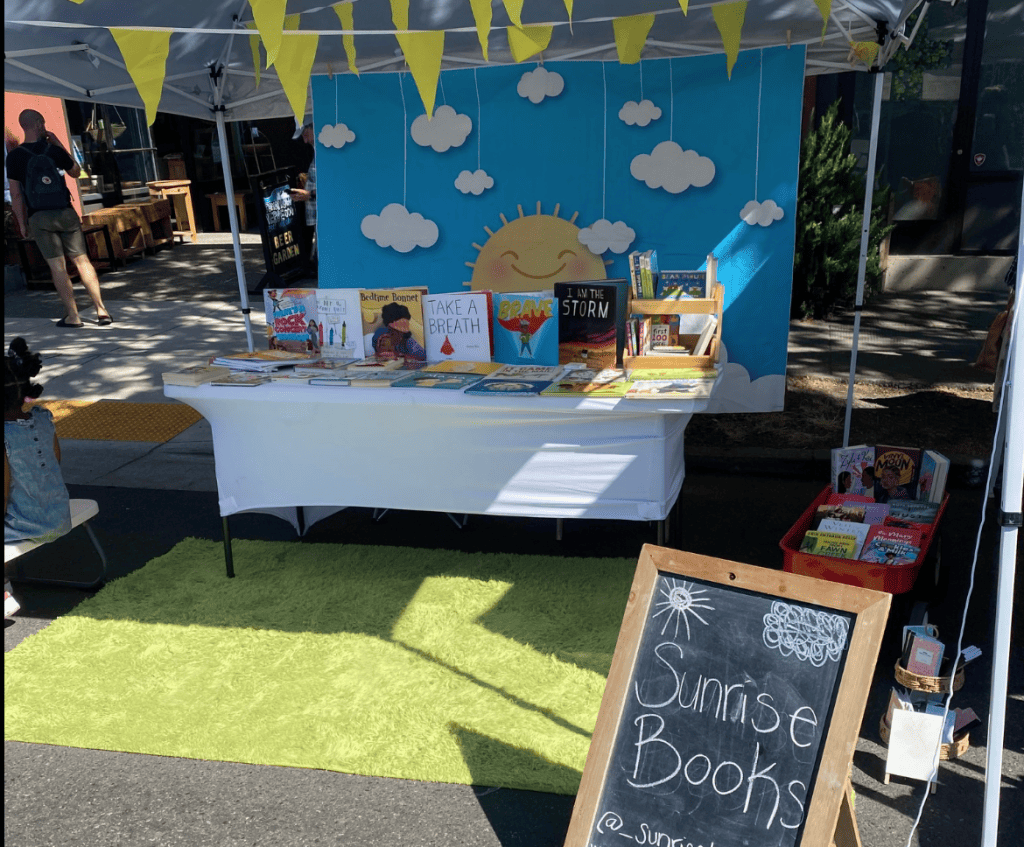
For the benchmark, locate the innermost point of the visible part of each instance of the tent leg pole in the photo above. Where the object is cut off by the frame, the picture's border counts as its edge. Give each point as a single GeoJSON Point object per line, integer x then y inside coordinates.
{"type": "Point", "coordinates": [1011, 501]}
{"type": "Point", "coordinates": [229, 190]}
{"type": "Point", "coordinates": [865, 230]}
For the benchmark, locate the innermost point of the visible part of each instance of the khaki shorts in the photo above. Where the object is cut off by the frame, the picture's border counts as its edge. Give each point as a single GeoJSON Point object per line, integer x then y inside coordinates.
{"type": "Point", "coordinates": [57, 232]}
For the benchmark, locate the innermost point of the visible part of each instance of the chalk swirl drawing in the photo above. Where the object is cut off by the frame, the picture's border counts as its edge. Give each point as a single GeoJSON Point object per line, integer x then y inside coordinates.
{"type": "Point", "coordinates": [681, 601]}
{"type": "Point", "coordinates": [810, 635]}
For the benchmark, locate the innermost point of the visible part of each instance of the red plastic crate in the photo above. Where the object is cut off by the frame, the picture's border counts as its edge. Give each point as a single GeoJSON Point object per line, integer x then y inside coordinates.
{"type": "Point", "coordinates": [895, 579]}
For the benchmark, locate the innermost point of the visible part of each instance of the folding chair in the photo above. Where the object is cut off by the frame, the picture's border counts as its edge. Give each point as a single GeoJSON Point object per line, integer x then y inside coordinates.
{"type": "Point", "coordinates": [82, 511]}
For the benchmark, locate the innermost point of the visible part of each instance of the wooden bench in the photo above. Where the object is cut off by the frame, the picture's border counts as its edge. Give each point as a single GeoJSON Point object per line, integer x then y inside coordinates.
{"type": "Point", "coordinates": [97, 243]}
{"type": "Point", "coordinates": [127, 229]}
{"type": "Point", "coordinates": [218, 201]}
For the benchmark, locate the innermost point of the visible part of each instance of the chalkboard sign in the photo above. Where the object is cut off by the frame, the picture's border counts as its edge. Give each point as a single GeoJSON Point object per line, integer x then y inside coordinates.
{"type": "Point", "coordinates": [732, 707]}
{"type": "Point", "coordinates": [282, 231]}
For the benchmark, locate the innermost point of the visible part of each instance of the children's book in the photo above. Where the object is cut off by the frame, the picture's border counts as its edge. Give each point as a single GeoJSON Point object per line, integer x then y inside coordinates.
{"type": "Point", "coordinates": [838, 545]}
{"type": "Point", "coordinates": [459, 367]}
{"type": "Point", "coordinates": [873, 512]}
{"type": "Point", "coordinates": [392, 323]}
{"type": "Point", "coordinates": [673, 373]}
{"type": "Point", "coordinates": [339, 323]}
{"type": "Point", "coordinates": [241, 379]}
{"type": "Point", "coordinates": [374, 364]}
{"type": "Point", "coordinates": [896, 472]}
{"type": "Point", "coordinates": [458, 326]}
{"type": "Point", "coordinates": [548, 372]}
{"type": "Point", "coordinates": [587, 323]}
{"type": "Point", "coordinates": [683, 285]}
{"type": "Point", "coordinates": [660, 389]}
{"type": "Point", "coordinates": [850, 512]}
{"type": "Point", "coordinates": [848, 467]}
{"type": "Point", "coordinates": [195, 375]}
{"type": "Point", "coordinates": [525, 328]}
{"type": "Point", "coordinates": [433, 379]}
{"type": "Point", "coordinates": [613, 387]}
{"type": "Point", "coordinates": [263, 360]}
{"type": "Point", "coordinates": [931, 484]}
{"type": "Point", "coordinates": [857, 530]}
{"type": "Point", "coordinates": [324, 366]}
{"type": "Point", "coordinates": [506, 387]}
{"type": "Point", "coordinates": [923, 655]}
{"type": "Point", "coordinates": [706, 334]}
{"type": "Point", "coordinates": [292, 319]}
{"type": "Point", "coordinates": [916, 512]}
{"type": "Point", "coordinates": [362, 379]}
{"type": "Point", "coordinates": [890, 545]}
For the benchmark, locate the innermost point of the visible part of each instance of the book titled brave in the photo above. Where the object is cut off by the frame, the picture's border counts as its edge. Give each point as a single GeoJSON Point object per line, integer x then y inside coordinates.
{"type": "Point", "coordinates": [525, 328]}
{"type": "Point", "coordinates": [587, 323]}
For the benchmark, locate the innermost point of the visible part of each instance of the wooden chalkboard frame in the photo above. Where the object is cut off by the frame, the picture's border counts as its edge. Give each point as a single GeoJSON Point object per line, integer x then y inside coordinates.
{"type": "Point", "coordinates": [829, 794]}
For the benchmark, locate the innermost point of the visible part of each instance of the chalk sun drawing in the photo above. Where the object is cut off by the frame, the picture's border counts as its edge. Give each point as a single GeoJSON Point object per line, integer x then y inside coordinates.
{"type": "Point", "coordinates": [809, 634]}
{"type": "Point", "coordinates": [681, 602]}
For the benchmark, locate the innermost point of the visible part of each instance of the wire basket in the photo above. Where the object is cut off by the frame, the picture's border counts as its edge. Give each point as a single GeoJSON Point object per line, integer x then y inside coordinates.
{"type": "Point", "coordinates": [932, 684]}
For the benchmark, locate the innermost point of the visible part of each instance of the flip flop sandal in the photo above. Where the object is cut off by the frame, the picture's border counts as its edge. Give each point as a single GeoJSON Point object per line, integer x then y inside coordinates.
{"type": "Point", "coordinates": [106, 320]}
{"type": "Point", "coordinates": [63, 322]}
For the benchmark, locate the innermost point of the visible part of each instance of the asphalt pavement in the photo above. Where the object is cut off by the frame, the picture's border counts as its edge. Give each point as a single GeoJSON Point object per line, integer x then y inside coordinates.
{"type": "Point", "coordinates": [182, 305]}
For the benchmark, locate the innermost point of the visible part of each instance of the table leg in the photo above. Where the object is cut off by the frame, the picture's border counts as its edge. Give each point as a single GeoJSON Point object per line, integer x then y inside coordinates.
{"type": "Point", "coordinates": [229, 561]}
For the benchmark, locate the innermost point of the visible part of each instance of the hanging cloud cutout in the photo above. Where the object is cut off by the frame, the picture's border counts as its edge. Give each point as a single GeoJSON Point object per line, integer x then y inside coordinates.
{"type": "Point", "coordinates": [671, 167]}
{"type": "Point", "coordinates": [639, 114]}
{"type": "Point", "coordinates": [763, 214]}
{"type": "Point", "coordinates": [398, 228]}
{"type": "Point", "coordinates": [538, 84]}
{"type": "Point", "coordinates": [445, 130]}
{"type": "Point", "coordinates": [335, 136]}
{"type": "Point", "coordinates": [474, 182]}
{"type": "Point", "coordinates": [604, 235]}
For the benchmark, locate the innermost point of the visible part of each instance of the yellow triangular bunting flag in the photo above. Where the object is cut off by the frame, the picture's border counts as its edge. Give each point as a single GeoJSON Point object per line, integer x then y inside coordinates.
{"type": "Point", "coordinates": [825, 7]}
{"type": "Point", "coordinates": [400, 14]}
{"type": "Point", "coordinates": [423, 51]}
{"type": "Point", "coordinates": [254, 44]}
{"type": "Point", "coordinates": [482, 16]}
{"type": "Point", "coordinates": [344, 13]}
{"type": "Point", "coordinates": [630, 36]}
{"type": "Point", "coordinates": [729, 17]}
{"type": "Point", "coordinates": [145, 57]}
{"type": "Point", "coordinates": [528, 41]}
{"type": "Point", "coordinates": [684, 5]}
{"type": "Point", "coordinates": [294, 65]}
{"type": "Point", "coordinates": [568, 11]}
{"type": "Point", "coordinates": [514, 8]}
{"type": "Point", "coordinates": [866, 51]}
{"type": "Point", "coordinates": [269, 18]}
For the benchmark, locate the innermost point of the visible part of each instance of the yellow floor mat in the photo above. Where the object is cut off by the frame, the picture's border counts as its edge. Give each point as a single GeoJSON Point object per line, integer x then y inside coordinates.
{"type": "Point", "coordinates": [119, 420]}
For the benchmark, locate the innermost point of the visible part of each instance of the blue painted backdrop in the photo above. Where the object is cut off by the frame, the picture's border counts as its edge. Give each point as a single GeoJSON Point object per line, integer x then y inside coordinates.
{"type": "Point", "coordinates": [573, 150]}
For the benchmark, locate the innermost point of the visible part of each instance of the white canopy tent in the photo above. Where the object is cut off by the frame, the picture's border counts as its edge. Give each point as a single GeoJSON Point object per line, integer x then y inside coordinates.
{"type": "Point", "coordinates": [65, 49]}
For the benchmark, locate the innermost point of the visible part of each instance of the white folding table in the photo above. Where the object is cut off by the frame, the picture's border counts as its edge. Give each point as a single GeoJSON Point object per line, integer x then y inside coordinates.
{"type": "Point", "coordinates": [294, 450]}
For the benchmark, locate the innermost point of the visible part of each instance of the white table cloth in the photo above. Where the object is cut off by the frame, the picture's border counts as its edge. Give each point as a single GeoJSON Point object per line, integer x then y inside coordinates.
{"type": "Point", "coordinates": [279, 446]}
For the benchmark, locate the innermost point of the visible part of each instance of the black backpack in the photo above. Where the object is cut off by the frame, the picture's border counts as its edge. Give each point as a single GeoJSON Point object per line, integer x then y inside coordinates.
{"type": "Point", "coordinates": [44, 185]}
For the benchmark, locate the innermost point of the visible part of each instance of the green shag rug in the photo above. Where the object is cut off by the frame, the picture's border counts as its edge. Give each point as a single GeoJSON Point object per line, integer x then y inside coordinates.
{"type": "Point", "coordinates": [482, 669]}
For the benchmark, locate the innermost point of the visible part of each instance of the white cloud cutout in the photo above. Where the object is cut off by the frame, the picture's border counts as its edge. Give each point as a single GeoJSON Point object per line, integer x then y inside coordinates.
{"type": "Point", "coordinates": [445, 130]}
{"type": "Point", "coordinates": [604, 235]}
{"type": "Point", "coordinates": [671, 167]}
{"type": "Point", "coordinates": [639, 114]}
{"type": "Point", "coordinates": [736, 393]}
{"type": "Point", "coordinates": [538, 84]}
{"type": "Point", "coordinates": [761, 213]}
{"type": "Point", "coordinates": [474, 182]}
{"type": "Point", "coordinates": [398, 228]}
{"type": "Point", "coordinates": [335, 136]}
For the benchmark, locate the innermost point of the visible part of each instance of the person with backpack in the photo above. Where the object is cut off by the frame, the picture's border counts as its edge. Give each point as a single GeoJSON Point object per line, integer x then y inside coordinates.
{"type": "Point", "coordinates": [42, 207]}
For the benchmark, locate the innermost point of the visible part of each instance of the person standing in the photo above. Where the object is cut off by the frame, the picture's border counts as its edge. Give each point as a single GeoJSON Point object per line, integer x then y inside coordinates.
{"type": "Point", "coordinates": [308, 192]}
{"type": "Point", "coordinates": [42, 207]}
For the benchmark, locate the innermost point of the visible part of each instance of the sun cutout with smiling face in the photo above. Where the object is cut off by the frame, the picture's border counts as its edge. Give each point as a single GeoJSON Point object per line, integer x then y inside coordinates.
{"type": "Point", "coordinates": [534, 252]}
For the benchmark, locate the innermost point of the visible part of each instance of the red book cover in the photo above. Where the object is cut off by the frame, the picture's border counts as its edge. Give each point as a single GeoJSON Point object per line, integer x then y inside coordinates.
{"type": "Point", "coordinates": [891, 545]}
